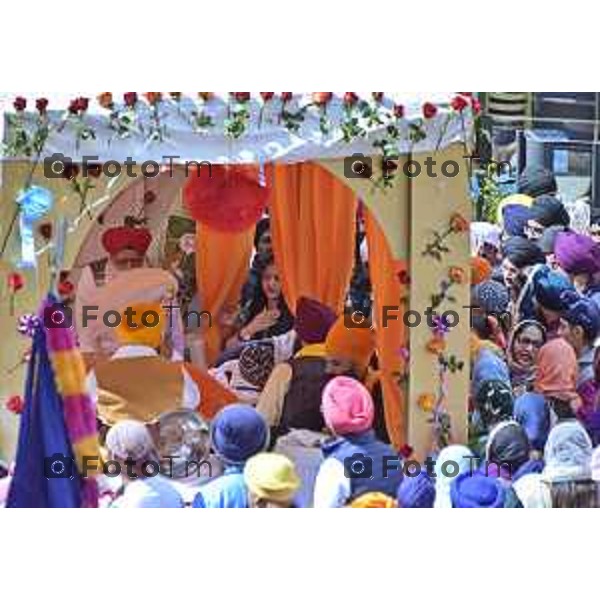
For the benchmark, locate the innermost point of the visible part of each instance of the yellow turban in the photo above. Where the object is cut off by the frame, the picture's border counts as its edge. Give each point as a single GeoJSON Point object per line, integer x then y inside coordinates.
{"type": "Point", "coordinates": [373, 500]}
{"type": "Point", "coordinates": [521, 199]}
{"type": "Point", "coordinates": [271, 477]}
{"type": "Point", "coordinates": [312, 350]}
{"type": "Point", "coordinates": [149, 334]}
{"type": "Point", "coordinates": [354, 344]}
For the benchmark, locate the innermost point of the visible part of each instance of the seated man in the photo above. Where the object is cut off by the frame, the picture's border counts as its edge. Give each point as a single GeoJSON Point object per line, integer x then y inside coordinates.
{"type": "Point", "coordinates": [247, 375]}
{"type": "Point", "coordinates": [136, 382]}
{"type": "Point", "coordinates": [291, 398]}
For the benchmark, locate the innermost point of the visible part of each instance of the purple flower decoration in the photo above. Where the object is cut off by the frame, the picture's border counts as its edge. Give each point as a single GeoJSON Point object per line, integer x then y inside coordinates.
{"type": "Point", "coordinates": [440, 329]}
{"type": "Point", "coordinates": [404, 353]}
{"type": "Point", "coordinates": [27, 324]}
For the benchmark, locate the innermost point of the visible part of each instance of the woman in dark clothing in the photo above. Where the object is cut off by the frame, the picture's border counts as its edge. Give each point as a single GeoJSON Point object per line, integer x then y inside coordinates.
{"type": "Point", "coordinates": [266, 314]}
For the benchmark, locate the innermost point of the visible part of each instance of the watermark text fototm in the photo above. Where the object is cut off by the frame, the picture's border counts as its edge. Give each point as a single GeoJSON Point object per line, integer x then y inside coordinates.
{"type": "Point", "coordinates": [359, 166]}
{"type": "Point", "coordinates": [60, 316]}
{"type": "Point", "coordinates": [59, 466]}
{"type": "Point", "coordinates": [356, 319]}
{"type": "Point", "coordinates": [360, 466]}
{"type": "Point", "coordinates": [57, 164]}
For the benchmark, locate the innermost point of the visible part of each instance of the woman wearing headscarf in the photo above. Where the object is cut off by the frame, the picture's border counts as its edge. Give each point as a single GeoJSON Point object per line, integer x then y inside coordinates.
{"type": "Point", "coordinates": [556, 378]}
{"type": "Point", "coordinates": [493, 404]}
{"type": "Point", "coordinates": [568, 470]}
{"type": "Point", "coordinates": [523, 348]}
{"type": "Point", "coordinates": [461, 459]}
{"type": "Point", "coordinates": [533, 414]}
{"type": "Point", "coordinates": [532, 492]}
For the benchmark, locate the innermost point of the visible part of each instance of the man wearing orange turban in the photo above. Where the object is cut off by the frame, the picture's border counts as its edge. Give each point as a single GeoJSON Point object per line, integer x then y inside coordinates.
{"type": "Point", "coordinates": [291, 398]}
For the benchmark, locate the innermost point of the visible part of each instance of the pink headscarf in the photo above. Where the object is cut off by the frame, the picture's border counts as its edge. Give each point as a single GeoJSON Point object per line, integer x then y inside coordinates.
{"type": "Point", "coordinates": [347, 406]}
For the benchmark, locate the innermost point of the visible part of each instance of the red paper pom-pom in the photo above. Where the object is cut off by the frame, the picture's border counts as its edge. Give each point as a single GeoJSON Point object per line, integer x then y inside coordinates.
{"type": "Point", "coordinates": [231, 200]}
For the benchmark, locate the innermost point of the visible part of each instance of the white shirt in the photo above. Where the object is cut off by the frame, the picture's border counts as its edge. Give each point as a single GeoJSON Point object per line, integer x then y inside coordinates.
{"type": "Point", "coordinates": [191, 394]}
{"type": "Point", "coordinates": [332, 487]}
{"type": "Point", "coordinates": [150, 492]}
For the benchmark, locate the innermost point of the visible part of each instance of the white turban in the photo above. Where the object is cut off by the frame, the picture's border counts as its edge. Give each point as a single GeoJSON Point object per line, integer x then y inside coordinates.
{"type": "Point", "coordinates": [131, 439]}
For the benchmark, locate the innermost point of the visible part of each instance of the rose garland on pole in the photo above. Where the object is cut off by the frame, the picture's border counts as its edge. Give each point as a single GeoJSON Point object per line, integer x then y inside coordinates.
{"type": "Point", "coordinates": [435, 404]}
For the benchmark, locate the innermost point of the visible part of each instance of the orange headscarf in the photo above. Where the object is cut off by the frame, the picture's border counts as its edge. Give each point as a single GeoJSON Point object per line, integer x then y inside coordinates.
{"type": "Point", "coordinates": [557, 370]}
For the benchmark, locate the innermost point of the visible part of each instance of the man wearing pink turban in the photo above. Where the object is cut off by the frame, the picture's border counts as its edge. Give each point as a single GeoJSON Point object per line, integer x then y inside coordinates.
{"type": "Point", "coordinates": [356, 462]}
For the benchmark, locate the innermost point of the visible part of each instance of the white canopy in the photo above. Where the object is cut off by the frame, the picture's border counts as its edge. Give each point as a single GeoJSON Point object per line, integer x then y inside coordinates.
{"type": "Point", "coordinates": [265, 139]}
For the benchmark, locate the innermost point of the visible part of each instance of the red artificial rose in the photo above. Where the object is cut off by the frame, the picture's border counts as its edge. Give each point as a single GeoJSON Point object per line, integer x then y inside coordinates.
{"type": "Point", "coordinates": [65, 288]}
{"type": "Point", "coordinates": [404, 277]}
{"type": "Point", "coordinates": [45, 230]}
{"type": "Point", "coordinates": [406, 451]}
{"type": "Point", "coordinates": [20, 103]}
{"type": "Point", "coordinates": [74, 106]}
{"type": "Point", "coordinates": [377, 96]}
{"type": "Point", "coordinates": [286, 96]}
{"type": "Point", "coordinates": [350, 98]}
{"type": "Point", "coordinates": [15, 281]}
{"type": "Point", "coordinates": [398, 111]}
{"type": "Point", "coordinates": [241, 96]}
{"type": "Point", "coordinates": [266, 96]}
{"type": "Point", "coordinates": [459, 103]}
{"type": "Point", "coordinates": [429, 110]}
{"type": "Point", "coordinates": [476, 106]}
{"type": "Point", "coordinates": [84, 104]}
{"type": "Point", "coordinates": [41, 104]}
{"type": "Point", "coordinates": [322, 98]}
{"type": "Point", "coordinates": [130, 98]}
{"type": "Point", "coordinates": [15, 404]}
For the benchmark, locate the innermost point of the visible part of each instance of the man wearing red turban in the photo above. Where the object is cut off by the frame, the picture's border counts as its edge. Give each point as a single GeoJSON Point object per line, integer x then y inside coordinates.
{"type": "Point", "coordinates": [126, 246]}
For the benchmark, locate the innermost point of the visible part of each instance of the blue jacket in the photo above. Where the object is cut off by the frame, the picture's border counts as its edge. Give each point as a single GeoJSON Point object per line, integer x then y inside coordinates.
{"type": "Point", "coordinates": [227, 491]}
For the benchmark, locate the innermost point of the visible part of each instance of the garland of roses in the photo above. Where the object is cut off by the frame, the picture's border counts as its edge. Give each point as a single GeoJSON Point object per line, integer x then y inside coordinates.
{"type": "Point", "coordinates": [359, 115]}
{"type": "Point", "coordinates": [435, 404]}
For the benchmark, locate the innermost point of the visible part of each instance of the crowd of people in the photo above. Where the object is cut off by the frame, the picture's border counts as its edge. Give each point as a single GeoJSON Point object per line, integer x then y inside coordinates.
{"type": "Point", "coordinates": [307, 403]}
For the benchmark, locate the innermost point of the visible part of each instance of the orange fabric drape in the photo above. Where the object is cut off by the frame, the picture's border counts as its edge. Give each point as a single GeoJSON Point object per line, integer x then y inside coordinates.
{"type": "Point", "coordinates": [312, 228]}
{"type": "Point", "coordinates": [388, 291]}
{"type": "Point", "coordinates": [222, 264]}
{"type": "Point", "coordinates": [214, 395]}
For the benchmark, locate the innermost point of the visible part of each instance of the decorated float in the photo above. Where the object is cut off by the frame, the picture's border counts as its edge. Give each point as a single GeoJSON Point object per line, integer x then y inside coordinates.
{"type": "Point", "coordinates": [200, 168]}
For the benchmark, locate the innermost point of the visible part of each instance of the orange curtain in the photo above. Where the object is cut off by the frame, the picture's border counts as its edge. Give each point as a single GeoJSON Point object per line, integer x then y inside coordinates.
{"type": "Point", "coordinates": [222, 264]}
{"type": "Point", "coordinates": [388, 291]}
{"type": "Point", "coordinates": [312, 228]}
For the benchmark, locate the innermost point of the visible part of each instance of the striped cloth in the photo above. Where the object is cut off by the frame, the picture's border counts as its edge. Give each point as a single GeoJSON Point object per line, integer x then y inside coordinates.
{"type": "Point", "coordinates": [79, 412]}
